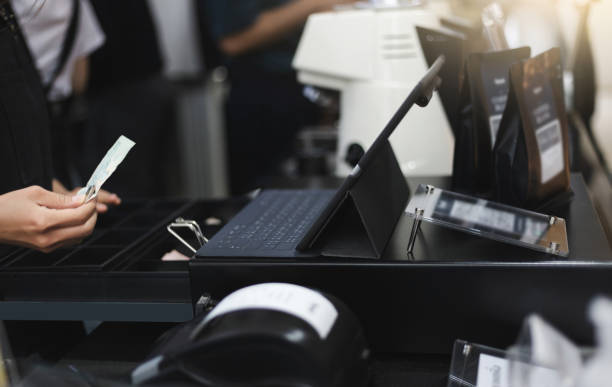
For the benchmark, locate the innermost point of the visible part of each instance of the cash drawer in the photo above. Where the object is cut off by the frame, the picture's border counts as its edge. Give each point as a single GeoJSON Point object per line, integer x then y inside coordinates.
{"type": "Point", "coordinates": [117, 273]}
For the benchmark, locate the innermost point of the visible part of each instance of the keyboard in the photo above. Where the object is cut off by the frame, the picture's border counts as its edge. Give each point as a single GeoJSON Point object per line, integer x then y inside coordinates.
{"type": "Point", "coordinates": [271, 225]}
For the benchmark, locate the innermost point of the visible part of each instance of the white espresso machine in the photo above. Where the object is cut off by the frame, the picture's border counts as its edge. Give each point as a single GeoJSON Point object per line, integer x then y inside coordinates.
{"type": "Point", "coordinates": [372, 55]}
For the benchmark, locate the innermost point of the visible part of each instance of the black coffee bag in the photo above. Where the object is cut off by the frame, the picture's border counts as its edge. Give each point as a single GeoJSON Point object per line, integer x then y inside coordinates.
{"type": "Point", "coordinates": [452, 45]}
{"type": "Point", "coordinates": [531, 153]}
{"type": "Point", "coordinates": [483, 99]}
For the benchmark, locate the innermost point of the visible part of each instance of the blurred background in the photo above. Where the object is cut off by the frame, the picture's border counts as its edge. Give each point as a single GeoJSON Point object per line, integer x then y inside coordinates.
{"type": "Point", "coordinates": [215, 110]}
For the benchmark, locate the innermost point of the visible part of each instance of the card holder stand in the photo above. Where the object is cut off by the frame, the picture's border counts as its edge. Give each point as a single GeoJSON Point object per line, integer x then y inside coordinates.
{"type": "Point", "coordinates": [487, 219]}
{"type": "Point", "coordinates": [363, 221]}
{"type": "Point", "coordinates": [467, 360]}
{"type": "Point", "coordinates": [482, 366]}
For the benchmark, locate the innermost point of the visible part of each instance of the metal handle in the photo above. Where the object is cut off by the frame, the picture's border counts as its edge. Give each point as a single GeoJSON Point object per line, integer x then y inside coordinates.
{"type": "Point", "coordinates": [191, 225]}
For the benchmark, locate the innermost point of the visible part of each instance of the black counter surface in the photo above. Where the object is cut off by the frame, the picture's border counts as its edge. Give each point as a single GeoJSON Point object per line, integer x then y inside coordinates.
{"type": "Point", "coordinates": [454, 285]}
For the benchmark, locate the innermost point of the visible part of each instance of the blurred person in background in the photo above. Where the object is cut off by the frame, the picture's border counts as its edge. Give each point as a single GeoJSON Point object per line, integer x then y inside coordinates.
{"type": "Point", "coordinates": [127, 94]}
{"type": "Point", "coordinates": [265, 107]}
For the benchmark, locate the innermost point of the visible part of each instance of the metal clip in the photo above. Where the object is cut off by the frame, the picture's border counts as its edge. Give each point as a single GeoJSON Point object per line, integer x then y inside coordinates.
{"type": "Point", "coordinates": [416, 226]}
{"type": "Point", "coordinates": [554, 248]}
{"type": "Point", "coordinates": [191, 225]}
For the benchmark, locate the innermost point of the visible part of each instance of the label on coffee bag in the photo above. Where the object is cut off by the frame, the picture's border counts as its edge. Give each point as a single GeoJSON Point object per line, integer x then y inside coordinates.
{"type": "Point", "coordinates": [495, 81]}
{"type": "Point", "coordinates": [551, 150]}
{"type": "Point", "coordinates": [494, 122]}
{"type": "Point", "coordinates": [545, 123]}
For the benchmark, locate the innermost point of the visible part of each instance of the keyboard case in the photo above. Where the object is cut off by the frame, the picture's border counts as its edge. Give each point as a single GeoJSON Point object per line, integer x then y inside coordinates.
{"type": "Point", "coordinates": [359, 224]}
{"type": "Point", "coordinates": [271, 225]}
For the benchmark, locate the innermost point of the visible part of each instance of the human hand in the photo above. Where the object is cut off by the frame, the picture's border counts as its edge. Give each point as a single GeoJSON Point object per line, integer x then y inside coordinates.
{"type": "Point", "coordinates": [104, 198]}
{"type": "Point", "coordinates": [36, 218]}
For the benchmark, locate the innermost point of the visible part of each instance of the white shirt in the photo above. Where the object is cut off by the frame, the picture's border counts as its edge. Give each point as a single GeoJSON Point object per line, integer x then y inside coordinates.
{"type": "Point", "coordinates": [44, 24]}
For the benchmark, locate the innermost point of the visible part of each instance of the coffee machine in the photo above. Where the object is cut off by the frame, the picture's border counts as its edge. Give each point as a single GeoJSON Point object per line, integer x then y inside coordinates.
{"type": "Point", "coordinates": [371, 53]}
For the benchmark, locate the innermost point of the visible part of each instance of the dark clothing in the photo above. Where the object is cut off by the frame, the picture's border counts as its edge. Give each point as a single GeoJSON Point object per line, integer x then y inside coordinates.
{"type": "Point", "coordinates": [144, 112]}
{"type": "Point", "coordinates": [231, 16]}
{"type": "Point", "coordinates": [127, 95]}
{"type": "Point", "coordinates": [66, 128]}
{"type": "Point", "coordinates": [131, 52]}
{"type": "Point", "coordinates": [265, 107]}
{"type": "Point", "coordinates": [263, 114]}
{"type": "Point", "coordinates": [25, 154]}
{"type": "Point", "coordinates": [25, 160]}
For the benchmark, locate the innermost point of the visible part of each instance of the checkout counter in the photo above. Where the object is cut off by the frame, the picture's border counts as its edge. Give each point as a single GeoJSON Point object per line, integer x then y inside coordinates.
{"type": "Point", "coordinates": [412, 307]}
{"type": "Point", "coordinates": [452, 286]}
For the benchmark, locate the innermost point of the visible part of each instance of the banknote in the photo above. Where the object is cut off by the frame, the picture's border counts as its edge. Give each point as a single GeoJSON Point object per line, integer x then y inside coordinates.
{"type": "Point", "coordinates": [107, 166]}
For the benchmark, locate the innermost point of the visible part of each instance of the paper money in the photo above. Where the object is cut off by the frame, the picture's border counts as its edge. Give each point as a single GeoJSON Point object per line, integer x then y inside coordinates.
{"type": "Point", "coordinates": [107, 166]}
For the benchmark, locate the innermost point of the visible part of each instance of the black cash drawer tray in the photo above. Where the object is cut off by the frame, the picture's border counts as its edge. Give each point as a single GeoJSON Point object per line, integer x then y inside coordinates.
{"type": "Point", "coordinates": [117, 273]}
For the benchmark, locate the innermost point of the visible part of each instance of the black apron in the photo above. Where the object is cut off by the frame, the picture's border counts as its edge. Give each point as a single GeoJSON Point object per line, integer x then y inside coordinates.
{"type": "Point", "coordinates": [25, 160]}
{"type": "Point", "coordinates": [25, 153]}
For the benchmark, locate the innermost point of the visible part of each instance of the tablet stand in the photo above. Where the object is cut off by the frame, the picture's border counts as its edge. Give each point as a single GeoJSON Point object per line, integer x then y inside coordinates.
{"type": "Point", "coordinates": [362, 223]}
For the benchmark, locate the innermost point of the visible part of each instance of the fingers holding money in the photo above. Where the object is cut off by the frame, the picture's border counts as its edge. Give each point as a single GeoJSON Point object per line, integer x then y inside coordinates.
{"type": "Point", "coordinates": [54, 218]}
{"type": "Point", "coordinates": [104, 199]}
{"type": "Point", "coordinates": [43, 220]}
{"type": "Point", "coordinates": [66, 226]}
{"type": "Point", "coordinates": [52, 199]}
{"type": "Point", "coordinates": [68, 235]}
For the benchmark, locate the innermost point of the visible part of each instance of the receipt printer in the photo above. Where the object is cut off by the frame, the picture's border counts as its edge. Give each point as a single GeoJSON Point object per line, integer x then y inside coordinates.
{"type": "Point", "coordinates": [271, 334]}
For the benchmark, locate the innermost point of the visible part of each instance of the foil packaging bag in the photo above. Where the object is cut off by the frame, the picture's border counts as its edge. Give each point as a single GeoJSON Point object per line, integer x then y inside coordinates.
{"type": "Point", "coordinates": [482, 103]}
{"type": "Point", "coordinates": [531, 153]}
